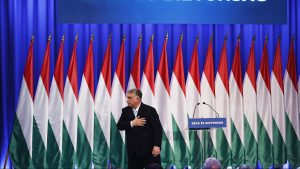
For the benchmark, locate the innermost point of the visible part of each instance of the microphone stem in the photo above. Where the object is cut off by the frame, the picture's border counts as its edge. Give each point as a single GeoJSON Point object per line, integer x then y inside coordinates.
{"type": "Point", "coordinates": [195, 109]}
{"type": "Point", "coordinates": [213, 109]}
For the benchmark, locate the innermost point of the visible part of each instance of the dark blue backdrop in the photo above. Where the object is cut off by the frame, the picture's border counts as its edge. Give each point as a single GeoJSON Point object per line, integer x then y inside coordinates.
{"type": "Point", "coordinates": [22, 19]}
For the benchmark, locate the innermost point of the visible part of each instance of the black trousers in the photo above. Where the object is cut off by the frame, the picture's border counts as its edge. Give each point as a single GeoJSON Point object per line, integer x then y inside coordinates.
{"type": "Point", "coordinates": [140, 162]}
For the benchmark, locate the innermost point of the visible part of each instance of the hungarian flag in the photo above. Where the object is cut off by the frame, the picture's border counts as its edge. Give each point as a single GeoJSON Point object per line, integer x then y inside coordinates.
{"type": "Point", "coordinates": [277, 98]}
{"type": "Point", "coordinates": [250, 111]}
{"type": "Point", "coordinates": [236, 108]}
{"type": "Point", "coordinates": [291, 109]}
{"type": "Point", "coordinates": [118, 155]}
{"type": "Point", "coordinates": [222, 106]}
{"type": "Point", "coordinates": [179, 111]}
{"type": "Point", "coordinates": [147, 84]}
{"type": "Point", "coordinates": [208, 96]}
{"type": "Point", "coordinates": [85, 137]}
{"type": "Point", "coordinates": [102, 112]}
{"type": "Point", "coordinates": [55, 115]}
{"type": "Point", "coordinates": [162, 98]}
{"type": "Point", "coordinates": [193, 99]}
{"type": "Point", "coordinates": [20, 147]}
{"type": "Point", "coordinates": [265, 129]}
{"type": "Point", "coordinates": [134, 79]}
{"type": "Point", "coordinates": [40, 114]}
{"type": "Point", "coordinates": [70, 115]}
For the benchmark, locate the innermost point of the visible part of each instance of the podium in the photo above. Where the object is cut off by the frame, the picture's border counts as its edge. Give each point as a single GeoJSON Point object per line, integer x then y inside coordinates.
{"type": "Point", "coordinates": [206, 123]}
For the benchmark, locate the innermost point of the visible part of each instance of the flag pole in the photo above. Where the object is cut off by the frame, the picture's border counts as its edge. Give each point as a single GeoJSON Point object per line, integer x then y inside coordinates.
{"type": "Point", "coordinates": [109, 37]}
{"type": "Point", "coordinates": [253, 38]}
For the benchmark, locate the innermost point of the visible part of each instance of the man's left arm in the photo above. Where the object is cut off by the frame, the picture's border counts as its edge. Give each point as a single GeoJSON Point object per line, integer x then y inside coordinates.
{"type": "Point", "coordinates": [157, 132]}
{"type": "Point", "coordinates": [157, 128]}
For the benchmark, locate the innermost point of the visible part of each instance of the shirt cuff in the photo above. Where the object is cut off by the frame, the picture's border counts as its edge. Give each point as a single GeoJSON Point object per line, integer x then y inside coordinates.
{"type": "Point", "coordinates": [131, 124]}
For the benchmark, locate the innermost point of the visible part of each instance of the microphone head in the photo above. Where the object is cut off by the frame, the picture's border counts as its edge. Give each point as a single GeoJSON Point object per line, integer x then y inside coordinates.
{"type": "Point", "coordinates": [203, 103]}
{"type": "Point", "coordinates": [198, 103]}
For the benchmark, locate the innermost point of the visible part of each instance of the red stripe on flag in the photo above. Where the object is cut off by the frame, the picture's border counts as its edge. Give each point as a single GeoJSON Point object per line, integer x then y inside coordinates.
{"type": "Point", "coordinates": [194, 67]}
{"type": "Point", "coordinates": [264, 67]}
{"type": "Point", "coordinates": [59, 70]}
{"type": "Point", "coordinates": [89, 69]}
{"type": "Point", "coordinates": [209, 67]}
{"type": "Point", "coordinates": [72, 74]}
{"type": "Point", "coordinates": [178, 67]}
{"type": "Point", "coordinates": [277, 68]}
{"type": "Point", "coordinates": [135, 70]}
{"type": "Point", "coordinates": [223, 67]}
{"type": "Point", "coordinates": [251, 67]}
{"type": "Point", "coordinates": [163, 67]}
{"type": "Point", "coordinates": [121, 65]}
{"type": "Point", "coordinates": [45, 74]}
{"type": "Point", "coordinates": [149, 67]}
{"type": "Point", "coordinates": [291, 66]}
{"type": "Point", "coordinates": [106, 67]}
{"type": "Point", "coordinates": [236, 67]}
{"type": "Point", "coordinates": [28, 73]}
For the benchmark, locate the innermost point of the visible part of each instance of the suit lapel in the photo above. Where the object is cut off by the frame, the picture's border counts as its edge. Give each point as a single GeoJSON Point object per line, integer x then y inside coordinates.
{"type": "Point", "coordinates": [141, 109]}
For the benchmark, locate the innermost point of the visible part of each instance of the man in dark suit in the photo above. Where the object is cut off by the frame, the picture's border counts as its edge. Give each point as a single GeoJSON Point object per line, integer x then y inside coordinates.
{"type": "Point", "coordinates": [143, 131]}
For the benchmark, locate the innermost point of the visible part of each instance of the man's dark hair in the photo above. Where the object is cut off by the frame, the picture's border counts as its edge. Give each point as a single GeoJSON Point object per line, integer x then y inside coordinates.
{"type": "Point", "coordinates": [211, 162]}
{"type": "Point", "coordinates": [136, 92]}
{"type": "Point", "coordinates": [153, 166]}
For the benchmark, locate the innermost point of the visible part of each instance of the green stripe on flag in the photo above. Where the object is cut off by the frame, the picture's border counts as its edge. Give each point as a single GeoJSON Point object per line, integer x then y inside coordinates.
{"type": "Point", "coordinates": [208, 146]}
{"type": "Point", "coordinates": [181, 150]}
{"type": "Point", "coordinates": [38, 148]}
{"type": "Point", "coordinates": [53, 155]}
{"type": "Point", "coordinates": [195, 147]}
{"type": "Point", "coordinates": [68, 154]}
{"type": "Point", "coordinates": [265, 154]}
{"type": "Point", "coordinates": [292, 144]}
{"type": "Point", "coordinates": [223, 149]}
{"type": "Point", "coordinates": [118, 154]}
{"type": "Point", "coordinates": [237, 147]}
{"type": "Point", "coordinates": [250, 146]}
{"type": "Point", "coordinates": [18, 150]}
{"type": "Point", "coordinates": [166, 154]}
{"type": "Point", "coordinates": [84, 152]}
{"type": "Point", "coordinates": [101, 150]}
{"type": "Point", "coordinates": [278, 147]}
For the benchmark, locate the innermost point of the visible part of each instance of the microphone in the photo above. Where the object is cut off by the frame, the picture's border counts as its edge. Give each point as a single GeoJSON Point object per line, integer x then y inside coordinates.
{"type": "Point", "coordinates": [211, 108]}
{"type": "Point", "coordinates": [195, 109]}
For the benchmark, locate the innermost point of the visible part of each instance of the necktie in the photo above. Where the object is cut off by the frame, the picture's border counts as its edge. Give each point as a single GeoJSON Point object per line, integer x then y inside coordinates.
{"type": "Point", "coordinates": [135, 112]}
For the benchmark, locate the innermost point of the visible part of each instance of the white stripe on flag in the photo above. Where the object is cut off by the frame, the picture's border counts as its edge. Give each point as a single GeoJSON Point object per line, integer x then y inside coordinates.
{"type": "Point", "coordinates": [209, 98]}
{"type": "Point", "coordinates": [291, 107]}
{"type": "Point", "coordinates": [163, 108]}
{"type": "Point", "coordinates": [278, 106]}
{"type": "Point", "coordinates": [250, 110]}
{"type": "Point", "coordinates": [222, 106]}
{"type": "Point", "coordinates": [118, 101]}
{"type": "Point", "coordinates": [86, 111]}
{"type": "Point", "coordinates": [236, 106]}
{"type": "Point", "coordinates": [131, 84]}
{"type": "Point", "coordinates": [25, 114]}
{"type": "Point", "coordinates": [264, 105]}
{"type": "Point", "coordinates": [41, 110]}
{"type": "Point", "coordinates": [56, 113]}
{"type": "Point", "coordinates": [103, 108]}
{"type": "Point", "coordinates": [70, 114]}
{"type": "Point", "coordinates": [178, 108]}
{"type": "Point", "coordinates": [148, 96]}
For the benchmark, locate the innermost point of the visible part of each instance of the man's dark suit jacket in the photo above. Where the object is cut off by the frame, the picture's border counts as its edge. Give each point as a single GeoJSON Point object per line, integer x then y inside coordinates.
{"type": "Point", "coordinates": [141, 139]}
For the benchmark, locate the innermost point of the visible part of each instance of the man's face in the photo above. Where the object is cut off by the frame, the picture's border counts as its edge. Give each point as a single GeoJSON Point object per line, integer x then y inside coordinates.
{"type": "Point", "coordinates": [132, 100]}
